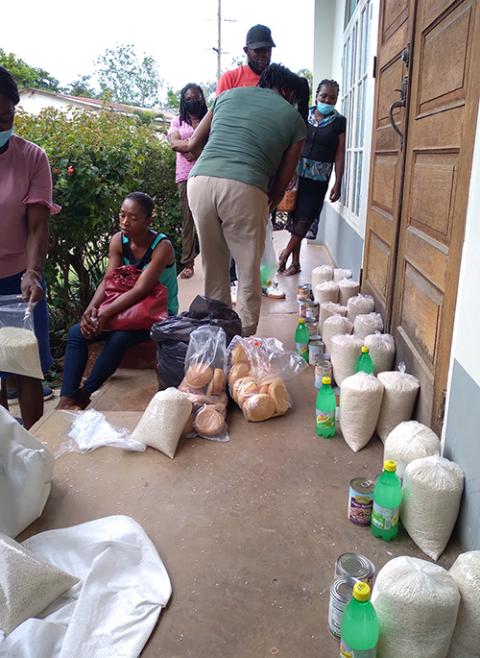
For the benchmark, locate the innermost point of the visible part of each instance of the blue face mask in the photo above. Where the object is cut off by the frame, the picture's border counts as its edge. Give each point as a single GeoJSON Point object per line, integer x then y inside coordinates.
{"type": "Point", "coordinates": [5, 136]}
{"type": "Point", "coordinates": [325, 108]}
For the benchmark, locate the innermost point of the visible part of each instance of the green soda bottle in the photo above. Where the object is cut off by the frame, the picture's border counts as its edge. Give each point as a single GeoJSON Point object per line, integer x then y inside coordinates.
{"type": "Point", "coordinates": [387, 497]}
{"type": "Point", "coordinates": [325, 407]}
{"type": "Point", "coordinates": [301, 339]}
{"type": "Point", "coordinates": [364, 361]}
{"type": "Point", "coordinates": [359, 631]}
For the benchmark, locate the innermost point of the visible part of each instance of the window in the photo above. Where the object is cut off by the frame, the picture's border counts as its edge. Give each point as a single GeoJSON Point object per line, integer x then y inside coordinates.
{"type": "Point", "coordinates": [353, 96]}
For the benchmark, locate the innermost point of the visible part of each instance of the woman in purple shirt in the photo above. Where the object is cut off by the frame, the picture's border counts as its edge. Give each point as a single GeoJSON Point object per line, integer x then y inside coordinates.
{"type": "Point", "coordinates": [25, 205]}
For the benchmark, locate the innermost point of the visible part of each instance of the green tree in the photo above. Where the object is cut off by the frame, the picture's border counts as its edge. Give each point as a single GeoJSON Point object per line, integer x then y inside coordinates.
{"type": "Point", "coordinates": [26, 75]}
{"type": "Point", "coordinates": [129, 79]}
{"type": "Point", "coordinates": [81, 87]}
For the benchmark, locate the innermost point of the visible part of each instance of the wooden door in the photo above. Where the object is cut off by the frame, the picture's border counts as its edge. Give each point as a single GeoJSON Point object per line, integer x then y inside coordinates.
{"type": "Point", "coordinates": [442, 119]}
{"type": "Point", "coordinates": [387, 162]}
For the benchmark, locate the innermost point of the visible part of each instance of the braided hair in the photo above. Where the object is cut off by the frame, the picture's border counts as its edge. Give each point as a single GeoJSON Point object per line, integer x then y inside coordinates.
{"type": "Point", "coordinates": [329, 83]}
{"type": "Point", "coordinates": [8, 86]}
{"type": "Point", "coordinates": [276, 76]}
{"type": "Point", "coordinates": [184, 116]}
{"type": "Point", "coordinates": [143, 200]}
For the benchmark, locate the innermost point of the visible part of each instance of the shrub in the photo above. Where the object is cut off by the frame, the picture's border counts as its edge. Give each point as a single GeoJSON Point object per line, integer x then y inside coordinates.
{"type": "Point", "coordinates": [96, 159]}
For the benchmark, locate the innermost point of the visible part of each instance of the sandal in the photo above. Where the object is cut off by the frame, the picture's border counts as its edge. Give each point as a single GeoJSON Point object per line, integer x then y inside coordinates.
{"type": "Point", "coordinates": [187, 273]}
{"type": "Point", "coordinates": [292, 270]}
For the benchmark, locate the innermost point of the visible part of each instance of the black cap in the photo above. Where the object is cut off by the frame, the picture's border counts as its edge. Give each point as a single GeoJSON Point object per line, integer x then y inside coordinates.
{"type": "Point", "coordinates": [259, 36]}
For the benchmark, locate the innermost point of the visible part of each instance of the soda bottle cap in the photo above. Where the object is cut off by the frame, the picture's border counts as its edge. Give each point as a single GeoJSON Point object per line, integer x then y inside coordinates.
{"type": "Point", "coordinates": [390, 465]}
{"type": "Point", "coordinates": [326, 380]}
{"type": "Point", "coordinates": [361, 592]}
{"type": "Point", "coordinates": [365, 349]}
{"type": "Point", "coordinates": [301, 321]}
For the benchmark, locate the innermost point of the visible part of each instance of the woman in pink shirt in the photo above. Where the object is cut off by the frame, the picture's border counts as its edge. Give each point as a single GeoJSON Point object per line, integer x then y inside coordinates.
{"type": "Point", "coordinates": [25, 205]}
{"type": "Point", "coordinates": [192, 110]}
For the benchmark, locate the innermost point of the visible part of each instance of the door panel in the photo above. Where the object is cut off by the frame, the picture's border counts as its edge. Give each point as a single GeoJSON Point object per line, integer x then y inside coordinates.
{"type": "Point", "coordinates": [441, 123]}
{"type": "Point", "coordinates": [383, 214]}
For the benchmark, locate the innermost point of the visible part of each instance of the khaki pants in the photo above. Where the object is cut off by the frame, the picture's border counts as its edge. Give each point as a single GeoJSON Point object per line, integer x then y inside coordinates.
{"type": "Point", "coordinates": [230, 218]}
{"type": "Point", "coordinates": [189, 249]}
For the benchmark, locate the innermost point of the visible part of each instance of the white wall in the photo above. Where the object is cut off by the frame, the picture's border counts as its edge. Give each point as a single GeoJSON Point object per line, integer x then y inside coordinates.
{"type": "Point", "coordinates": [33, 102]}
{"type": "Point", "coordinates": [324, 47]}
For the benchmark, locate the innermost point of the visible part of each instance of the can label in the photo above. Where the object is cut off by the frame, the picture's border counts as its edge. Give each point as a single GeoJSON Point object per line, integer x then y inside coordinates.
{"type": "Point", "coordinates": [346, 652]}
{"type": "Point", "coordinates": [302, 349]}
{"type": "Point", "coordinates": [384, 517]}
{"type": "Point", "coordinates": [359, 507]}
{"type": "Point", "coordinates": [312, 311]}
{"type": "Point", "coordinates": [315, 353]}
{"type": "Point", "coordinates": [325, 420]}
{"type": "Point", "coordinates": [335, 614]}
{"type": "Point", "coordinates": [302, 309]}
{"type": "Point", "coordinates": [322, 369]}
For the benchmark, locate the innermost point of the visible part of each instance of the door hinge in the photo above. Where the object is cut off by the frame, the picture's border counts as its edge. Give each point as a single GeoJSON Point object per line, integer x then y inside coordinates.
{"type": "Point", "coordinates": [374, 72]}
{"type": "Point", "coordinates": [443, 404]}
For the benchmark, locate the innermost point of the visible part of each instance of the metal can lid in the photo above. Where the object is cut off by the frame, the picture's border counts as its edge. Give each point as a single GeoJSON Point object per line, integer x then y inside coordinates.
{"type": "Point", "coordinates": [314, 338]}
{"type": "Point", "coordinates": [355, 565]}
{"type": "Point", "coordinates": [342, 588]}
{"type": "Point", "coordinates": [362, 486]}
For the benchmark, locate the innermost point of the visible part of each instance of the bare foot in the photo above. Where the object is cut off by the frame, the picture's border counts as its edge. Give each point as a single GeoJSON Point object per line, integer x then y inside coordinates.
{"type": "Point", "coordinates": [292, 270]}
{"type": "Point", "coordinates": [68, 404]}
{"type": "Point", "coordinates": [187, 273]}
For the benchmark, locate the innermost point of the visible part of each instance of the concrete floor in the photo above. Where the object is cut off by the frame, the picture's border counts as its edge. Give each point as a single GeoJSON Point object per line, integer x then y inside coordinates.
{"type": "Point", "coordinates": [249, 530]}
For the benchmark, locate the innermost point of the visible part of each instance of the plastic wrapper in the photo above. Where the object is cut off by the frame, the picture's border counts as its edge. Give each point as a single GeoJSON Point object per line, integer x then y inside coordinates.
{"type": "Point", "coordinates": [432, 491]}
{"type": "Point", "coordinates": [259, 368]}
{"type": "Point", "coordinates": [206, 384]}
{"type": "Point", "coordinates": [466, 637]}
{"type": "Point", "coordinates": [347, 288]}
{"type": "Point", "coordinates": [334, 325]}
{"type": "Point", "coordinates": [326, 292]}
{"type": "Point", "coordinates": [321, 274]}
{"type": "Point", "coordinates": [91, 430]}
{"type": "Point", "coordinates": [360, 401]}
{"type": "Point", "coordinates": [345, 350]}
{"type": "Point", "coordinates": [339, 274]}
{"type": "Point", "coordinates": [382, 350]}
{"type": "Point", "coordinates": [327, 309]}
{"type": "Point", "coordinates": [399, 396]}
{"type": "Point", "coordinates": [367, 323]}
{"type": "Point", "coordinates": [416, 604]}
{"type": "Point", "coordinates": [408, 441]}
{"type": "Point", "coordinates": [18, 344]}
{"type": "Point", "coordinates": [269, 262]}
{"type": "Point", "coordinates": [172, 336]}
{"type": "Point", "coordinates": [359, 305]}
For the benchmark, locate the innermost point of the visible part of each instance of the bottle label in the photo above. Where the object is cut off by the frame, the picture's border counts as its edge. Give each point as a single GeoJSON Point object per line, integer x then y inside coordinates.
{"type": "Point", "coordinates": [346, 652]}
{"type": "Point", "coordinates": [302, 349]}
{"type": "Point", "coordinates": [325, 419]}
{"type": "Point", "coordinates": [384, 517]}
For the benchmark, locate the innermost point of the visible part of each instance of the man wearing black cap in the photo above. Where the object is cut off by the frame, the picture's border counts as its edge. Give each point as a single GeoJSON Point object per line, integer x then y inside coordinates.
{"type": "Point", "coordinates": [258, 49]}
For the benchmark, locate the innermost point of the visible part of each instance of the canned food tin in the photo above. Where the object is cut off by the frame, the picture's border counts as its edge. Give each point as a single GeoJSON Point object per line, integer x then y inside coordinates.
{"type": "Point", "coordinates": [312, 327]}
{"type": "Point", "coordinates": [340, 594]}
{"type": "Point", "coordinates": [302, 308]}
{"type": "Point", "coordinates": [316, 349]}
{"type": "Point", "coordinates": [322, 369]}
{"type": "Point", "coordinates": [312, 310]}
{"type": "Point", "coordinates": [360, 501]}
{"type": "Point", "coordinates": [304, 291]}
{"type": "Point", "coordinates": [355, 565]}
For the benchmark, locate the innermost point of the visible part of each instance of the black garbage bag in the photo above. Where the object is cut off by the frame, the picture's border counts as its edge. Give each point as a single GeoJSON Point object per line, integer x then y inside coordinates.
{"type": "Point", "coordinates": [173, 335]}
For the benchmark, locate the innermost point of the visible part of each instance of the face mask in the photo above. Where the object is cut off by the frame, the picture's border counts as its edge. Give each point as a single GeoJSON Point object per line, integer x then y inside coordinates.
{"type": "Point", "coordinates": [325, 108]}
{"type": "Point", "coordinates": [193, 106]}
{"type": "Point", "coordinates": [5, 136]}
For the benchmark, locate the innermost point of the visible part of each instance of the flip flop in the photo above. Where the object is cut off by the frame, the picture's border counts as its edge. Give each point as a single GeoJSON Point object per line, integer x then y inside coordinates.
{"type": "Point", "coordinates": [292, 270]}
{"type": "Point", "coordinates": [187, 273]}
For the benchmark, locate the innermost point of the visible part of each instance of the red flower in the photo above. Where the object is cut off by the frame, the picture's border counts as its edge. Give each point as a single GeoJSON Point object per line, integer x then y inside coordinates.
{"type": "Point", "coordinates": [70, 171]}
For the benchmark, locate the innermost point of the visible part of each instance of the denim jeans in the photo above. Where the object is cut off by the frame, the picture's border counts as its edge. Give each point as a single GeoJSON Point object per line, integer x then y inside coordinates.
{"type": "Point", "coordinates": [76, 356]}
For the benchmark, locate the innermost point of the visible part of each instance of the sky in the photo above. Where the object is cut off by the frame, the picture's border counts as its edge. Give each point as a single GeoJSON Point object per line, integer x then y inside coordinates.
{"type": "Point", "coordinates": [65, 37]}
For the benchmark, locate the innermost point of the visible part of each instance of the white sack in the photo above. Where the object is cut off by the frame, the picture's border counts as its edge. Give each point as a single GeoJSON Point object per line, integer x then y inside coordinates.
{"type": "Point", "coordinates": [162, 423]}
{"type": "Point", "coordinates": [416, 604]}
{"type": "Point", "coordinates": [344, 352]}
{"type": "Point", "coordinates": [336, 324]}
{"type": "Point", "coordinates": [347, 288]}
{"type": "Point", "coordinates": [466, 637]}
{"type": "Point", "coordinates": [382, 351]}
{"type": "Point", "coordinates": [367, 323]}
{"type": "Point", "coordinates": [26, 470]}
{"type": "Point", "coordinates": [339, 274]}
{"type": "Point", "coordinates": [360, 402]}
{"type": "Point", "coordinates": [432, 490]}
{"type": "Point", "coordinates": [327, 309]}
{"type": "Point", "coordinates": [320, 274]}
{"type": "Point", "coordinates": [114, 609]}
{"type": "Point", "coordinates": [408, 441]}
{"type": "Point", "coordinates": [401, 390]}
{"type": "Point", "coordinates": [359, 305]}
{"type": "Point", "coordinates": [326, 292]}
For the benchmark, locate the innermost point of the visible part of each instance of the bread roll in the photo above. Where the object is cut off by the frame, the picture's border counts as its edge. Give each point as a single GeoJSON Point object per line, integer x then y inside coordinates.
{"type": "Point", "coordinates": [236, 371]}
{"type": "Point", "coordinates": [198, 375]}
{"type": "Point", "coordinates": [246, 390]}
{"type": "Point", "coordinates": [209, 422]}
{"type": "Point", "coordinates": [237, 385]}
{"type": "Point", "coordinates": [279, 393]}
{"type": "Point", "coordinates": [238, 354]}
{"type": "Point", "coordinates": [259, 407]}
{"type": "Point", "coordinates": [186, 388]}
{"type": "Point", "coordinates": [217, 385]}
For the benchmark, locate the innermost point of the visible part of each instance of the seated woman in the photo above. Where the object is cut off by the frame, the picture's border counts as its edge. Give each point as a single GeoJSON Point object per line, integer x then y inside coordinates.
{"type": "Point", "coordinates": [152, 253]}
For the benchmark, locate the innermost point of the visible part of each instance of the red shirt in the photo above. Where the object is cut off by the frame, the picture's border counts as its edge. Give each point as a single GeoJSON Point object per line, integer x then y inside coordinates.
{"type": "Point", "coordinates": [243, 76]}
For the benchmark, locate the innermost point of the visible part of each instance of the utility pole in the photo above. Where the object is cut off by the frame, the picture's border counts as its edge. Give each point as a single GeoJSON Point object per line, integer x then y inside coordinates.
{"type": "Point", "coordinates": [219, 50]}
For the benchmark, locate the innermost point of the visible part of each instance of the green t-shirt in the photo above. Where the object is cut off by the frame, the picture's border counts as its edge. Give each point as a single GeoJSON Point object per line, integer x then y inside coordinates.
{"type": "Point", "coordinates": [251, 129]}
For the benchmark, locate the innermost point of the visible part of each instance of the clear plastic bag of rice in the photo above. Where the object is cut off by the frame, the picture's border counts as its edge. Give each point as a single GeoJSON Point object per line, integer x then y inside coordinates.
{"type": "Point", "coordinates": [360, 402]}
{"type": "Point", "coordinates": [347, 288]}
{"type": "Point", "coordinates": [408, 441]}
{"type": "Point", "coordinates": [336, 324]}
{"type": "Point", "coordinates": [327, 309]}
{"type": "Point", "coordinates": [367, 323]}
{"type": "Point", "coordinates": [344, 352]}
{"type": "Point", "coordinates": [416, 604]}
{"type": "Point", "coordinates": [18, 344]}
{"type": "Point", "coordinates": [382, 350]}
{"type": "Point", "coordinates": [466, 637]}
{"type": "Point", "coordinates": [399, 397]}
{"type": "Point", "coordinates": [320, 274]}
{"type": "Point", "coordinates": [432, 490]}
{"type": "Point", "coordinates": [326, 292]}
{"type": "Point", "coordinates": [359, 305]}
{"type": "Point", "coordinates": [339, 274]}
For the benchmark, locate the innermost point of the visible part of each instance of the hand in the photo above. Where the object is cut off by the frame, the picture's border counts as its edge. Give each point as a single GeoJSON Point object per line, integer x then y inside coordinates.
{"type": "Point", "coordinates": [335, 192]}
{"type": "Point", "coordinates": [31, 287]}
{"type": "Point", "coordinates": [101, 322]}
{"type": "Point", "coordinates": [89, 322]}
{"type": "Point", "coordinates": [190, 157]}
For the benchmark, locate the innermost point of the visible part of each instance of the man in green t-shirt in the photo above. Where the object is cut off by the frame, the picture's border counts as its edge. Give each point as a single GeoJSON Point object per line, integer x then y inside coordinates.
{"type": "Point", "coordinates": [255, 137]}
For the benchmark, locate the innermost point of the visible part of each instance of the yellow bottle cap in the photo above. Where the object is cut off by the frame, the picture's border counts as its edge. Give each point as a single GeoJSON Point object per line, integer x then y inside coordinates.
{"type": "Point", "coordinates": [361, 592]}
{"type": "Point", "coordinates": [365, 349]}
{"type": "Point", "coordinates": [390, 465]}
{"type": "Point", "coordinates": [326, 380]}
{"type": "Point", "coordinates": [301, 321]}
